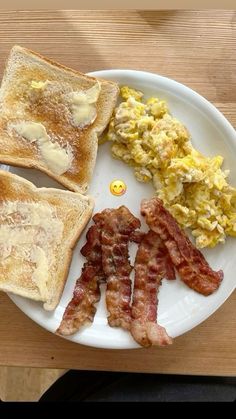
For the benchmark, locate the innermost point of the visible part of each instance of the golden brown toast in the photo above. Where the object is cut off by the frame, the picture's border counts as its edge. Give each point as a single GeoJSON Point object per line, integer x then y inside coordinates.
{"type": "Point", "coordinates": [38, 229]}
{"type": "Point", "coordinates": [51, 117]}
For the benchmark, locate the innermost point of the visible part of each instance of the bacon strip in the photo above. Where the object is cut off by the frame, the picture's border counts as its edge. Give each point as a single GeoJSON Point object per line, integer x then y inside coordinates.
{"type": "Point", "coordinates": [152, 263]}
{"type": "Point", "coordinates": [189, 261]}
{"type": "Point", "coordinates": [81, 309]}
{"type": "Point", "coordinates": [117, 226]}
{"type": "Point", "coordinates": [137, 236]}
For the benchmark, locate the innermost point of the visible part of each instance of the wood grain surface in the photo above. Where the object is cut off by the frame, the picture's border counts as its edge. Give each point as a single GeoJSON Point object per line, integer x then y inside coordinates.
{"type": "Point", "coordinates": [208, 349]}
{"type": "Point", "coordinates": [197, 48]}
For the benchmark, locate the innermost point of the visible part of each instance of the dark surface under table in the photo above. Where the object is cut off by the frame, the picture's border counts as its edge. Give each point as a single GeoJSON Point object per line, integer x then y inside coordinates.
{"type": "Point", "coordinates": [110, 386]}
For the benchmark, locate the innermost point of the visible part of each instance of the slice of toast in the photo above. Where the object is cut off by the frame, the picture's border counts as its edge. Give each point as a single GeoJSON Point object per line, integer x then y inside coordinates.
{"type": "Point", "coordinates": [39, 227]}
{"type": "Point", "coordinates": [51, 117]}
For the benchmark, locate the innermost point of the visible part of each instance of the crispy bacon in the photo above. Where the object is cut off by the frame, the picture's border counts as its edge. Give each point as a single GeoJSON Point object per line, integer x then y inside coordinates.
{"type": "Point", "coordinates": [189, 261]}
{"type": "Point", "coordinates": [151, 262]}
{"type": "Point", "coordinates": [137, 236]}
{"type": "Point", "coordinates": [117, 226]}
{"type": "Point", "coordinates": [81, 309]}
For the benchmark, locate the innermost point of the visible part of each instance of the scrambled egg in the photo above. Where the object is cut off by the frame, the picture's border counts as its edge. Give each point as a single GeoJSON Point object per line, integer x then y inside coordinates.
{"type": "Point", "coordinates": [194, 188]}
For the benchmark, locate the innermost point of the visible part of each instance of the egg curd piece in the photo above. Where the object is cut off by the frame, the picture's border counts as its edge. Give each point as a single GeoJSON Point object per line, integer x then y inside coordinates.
{"type": "Point", "coordinates": [193, 187]}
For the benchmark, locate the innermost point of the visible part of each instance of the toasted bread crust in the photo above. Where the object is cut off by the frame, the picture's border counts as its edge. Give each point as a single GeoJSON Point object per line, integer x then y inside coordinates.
{"type": "Point", "coordinates": [73, 210]}
{"type": "Point", "coordinates": [19, 102]}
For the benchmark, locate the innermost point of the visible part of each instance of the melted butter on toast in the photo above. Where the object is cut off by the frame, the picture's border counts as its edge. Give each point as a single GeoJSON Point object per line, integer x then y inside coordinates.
{"type": "Point", "coordinates": [57, 158]}
{"type": "Point", "coordinates": [29, 233]}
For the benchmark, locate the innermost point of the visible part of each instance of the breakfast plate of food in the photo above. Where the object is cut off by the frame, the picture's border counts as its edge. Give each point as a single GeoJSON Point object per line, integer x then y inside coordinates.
{"type": "Point", "coordinates": [118, 203]}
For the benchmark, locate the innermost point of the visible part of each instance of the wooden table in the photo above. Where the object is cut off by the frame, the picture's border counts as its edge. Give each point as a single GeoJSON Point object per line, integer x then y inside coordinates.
{"type": "Point", "coordinates": [197, 48]}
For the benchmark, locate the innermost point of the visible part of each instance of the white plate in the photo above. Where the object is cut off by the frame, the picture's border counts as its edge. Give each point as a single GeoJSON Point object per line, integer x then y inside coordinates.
{"type": "Point", "coordinates": [180, 309]}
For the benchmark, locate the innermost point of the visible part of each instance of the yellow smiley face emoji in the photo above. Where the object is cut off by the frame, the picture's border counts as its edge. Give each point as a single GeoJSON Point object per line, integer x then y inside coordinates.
{"type": "Point", "coordinates": [117, 187]}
